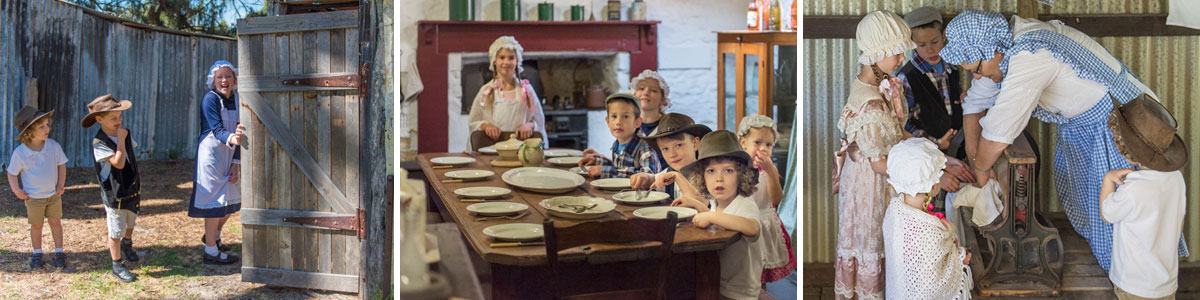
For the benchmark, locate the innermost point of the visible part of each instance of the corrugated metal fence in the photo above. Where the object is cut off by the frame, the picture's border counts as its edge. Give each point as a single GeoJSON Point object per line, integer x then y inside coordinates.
{"type": "Point", "coordinates": [77, 54]}
{"type": "Point", "coordinates": [1168, 65]}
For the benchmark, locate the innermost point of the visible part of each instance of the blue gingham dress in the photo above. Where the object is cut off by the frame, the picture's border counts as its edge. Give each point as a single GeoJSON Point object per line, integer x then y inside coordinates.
{"type": "Point", "coordinates": [1085, 149]}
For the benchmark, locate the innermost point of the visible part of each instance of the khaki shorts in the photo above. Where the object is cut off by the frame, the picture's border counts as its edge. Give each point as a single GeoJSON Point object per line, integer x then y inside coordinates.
{"type": "Point", "coordinates": [45, 208]}
{"type": "Point", "coordinates": [119, 220]}
{"type": "Point", "coordinates": [1123, 295]}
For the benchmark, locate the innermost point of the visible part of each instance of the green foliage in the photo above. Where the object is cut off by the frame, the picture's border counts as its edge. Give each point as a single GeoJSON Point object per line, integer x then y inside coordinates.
{"type": "Point", "coordinates": [202, 16]}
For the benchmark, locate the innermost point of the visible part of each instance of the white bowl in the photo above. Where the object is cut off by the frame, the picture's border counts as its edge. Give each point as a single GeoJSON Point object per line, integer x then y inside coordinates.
{"type": "Point", "coordinates": [660, 212]}
{"type": "Point", "coordinates": [630, 197]}
{"type": "Point", "coordinates": [555, 208]}
{"type": "Point", "coordinates": [484, 192]}
{"type": "Point", "coordinates": [543, 180]}
{"type": "Point", "coordinates": [497, 208]}
{"type": "Point", "coordinates": [611, 183]}
{"type": "Point", "coordinates": [562, 152]}
{"type": "Point", "coordinates": [470, 174]}
{"type": "Point", "coordinates": [516, 232]}
{"type": "Point", "coordinates": [488, 150]}
{"type": "Point", "coordinates": [565, 161]}
{"type": "Point", "coordinates": [452, 160]}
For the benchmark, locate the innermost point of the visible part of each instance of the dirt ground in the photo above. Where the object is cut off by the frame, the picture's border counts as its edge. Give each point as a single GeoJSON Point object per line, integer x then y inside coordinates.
{"type": "Point", "coordinates": [170, 267]}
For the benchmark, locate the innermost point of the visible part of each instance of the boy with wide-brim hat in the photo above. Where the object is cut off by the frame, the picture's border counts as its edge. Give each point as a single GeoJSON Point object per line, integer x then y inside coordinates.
{"type": "Point", "coordinates": [675, 140]}
{"type": "Point", "coordinates": [723, 174]}
{"type": "Point", "coordinates": [117, 172]}
{"type": "Point", "coordinates": [37, 173]}
{"type": "Point", "coordinates": [1147, 210]}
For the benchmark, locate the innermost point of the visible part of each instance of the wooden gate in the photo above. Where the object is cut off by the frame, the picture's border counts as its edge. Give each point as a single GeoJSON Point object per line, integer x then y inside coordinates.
{"type": "Point", "coordinates": [299, 88]}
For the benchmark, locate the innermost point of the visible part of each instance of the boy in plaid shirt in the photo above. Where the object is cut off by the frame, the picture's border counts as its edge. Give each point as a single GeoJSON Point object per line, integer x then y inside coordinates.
{"type": "Point", "coordinates": [631, 154]}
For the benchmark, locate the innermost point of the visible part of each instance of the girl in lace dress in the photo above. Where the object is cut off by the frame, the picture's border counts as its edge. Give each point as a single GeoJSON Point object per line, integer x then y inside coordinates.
{"type": "Point", "coordinates": [506, 104]}
{"type": "Point", "coordinates": [757, 134]}
{"type": "Point", "coordinates": [924, 258]}
{"type": "Point", "coordinates": [871, 123]}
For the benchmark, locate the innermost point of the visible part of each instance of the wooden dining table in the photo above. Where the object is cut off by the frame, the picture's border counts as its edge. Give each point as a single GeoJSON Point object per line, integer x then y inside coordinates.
{"type": "Point", "coordinates": [522, 272]}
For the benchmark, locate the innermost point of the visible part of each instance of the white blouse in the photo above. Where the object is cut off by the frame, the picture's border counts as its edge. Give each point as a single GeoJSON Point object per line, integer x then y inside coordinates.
{"type": "Point", "coordinates": [1039, 78]}
{"type": "Point", "coordinates": [507, 111]}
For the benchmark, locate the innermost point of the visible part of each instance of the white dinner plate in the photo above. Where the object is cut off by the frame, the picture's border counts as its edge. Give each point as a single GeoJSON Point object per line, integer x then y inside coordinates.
{"type": "Point", "coordinates": [489, 209]}
{"type": "Point", "coordinates": [565, 161]}
{"type": "Point", "coordinates": [452, 160]}
{"type": "Point", "coordinates": [562, 152]}
{"type": "Point", "coordinates": [631, 197]}
{"type": "Point", "coordinates": [470, 174]}
{"type": "Point", "coordinates": [543, 180]}
{"type": "Point", "coordinates": [579, 170]}
{"type": "Point", "coordinates": [611, 183]}
{"type": "Point", "coordinates": [660, 212]}
{"type": "Point", "coordinates": [488, 150]}
{"type": "Point", "coordinates": [516, 232]}
{"type": "Point", "coordinates": [485, 192]}
{"type": "Point", "coordinates": [562, 207]}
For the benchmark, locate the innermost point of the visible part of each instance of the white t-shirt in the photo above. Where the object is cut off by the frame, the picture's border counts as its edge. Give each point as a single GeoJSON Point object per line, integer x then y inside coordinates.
{"type": "Point", "coordinates": [101, 152]}
{"type": "Point", "coordinates": [38, 169]}
{"type": "Point", "coordinates": [741, 262]}
{"type": "Point", "coordinates": [1147, 216]}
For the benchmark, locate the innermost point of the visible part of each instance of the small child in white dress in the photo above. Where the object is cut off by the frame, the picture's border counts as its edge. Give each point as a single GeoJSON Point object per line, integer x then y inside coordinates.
{"type": "Point", "coordinates": [757, 135]}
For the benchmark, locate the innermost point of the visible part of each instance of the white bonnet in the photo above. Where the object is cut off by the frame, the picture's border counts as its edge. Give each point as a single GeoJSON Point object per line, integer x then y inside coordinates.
{"type": "Point", "coordinates": [881, 34]}
{"type": "Point", "coordinates": [756, 121]}
{"type": "Point", "coordinates": [208, 82]}
{"type": "Point", "coordinates": [914, 166]}
{"type": "Point", "coordinates": [662, 83]}
{"type": "Point", "coordinates": [505, 42]}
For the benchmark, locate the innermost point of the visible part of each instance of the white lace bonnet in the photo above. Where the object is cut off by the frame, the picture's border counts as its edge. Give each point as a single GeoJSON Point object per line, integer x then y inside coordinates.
{"type": "Point", "coordinates": [914, 166]}
{"type": "Point", "coordinates": [651, 74]}
{"type": "Point", "coordinates": [505, 42]}
{"type": "Point", "coordinates": [756, 121]}
{"type": "Point", "coordinates": [881, 34]}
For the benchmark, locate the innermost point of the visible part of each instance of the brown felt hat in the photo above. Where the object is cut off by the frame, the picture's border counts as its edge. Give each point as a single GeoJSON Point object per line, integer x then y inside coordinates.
{"type": "Point", "coordinates": [673, 123]}
{"type": "Point", "coordinates": [720, 143]}
{"type": "Point", "coordinates": [1144, 132]}
{"type": "Point", "coordinates": [27, 116]}
{"type": "Point", "coordinates": [103, 104]}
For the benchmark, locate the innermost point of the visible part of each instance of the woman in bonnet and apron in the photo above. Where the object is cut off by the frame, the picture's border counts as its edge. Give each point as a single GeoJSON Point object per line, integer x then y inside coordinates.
{"type": "Point", "coordinates": [215, 193]}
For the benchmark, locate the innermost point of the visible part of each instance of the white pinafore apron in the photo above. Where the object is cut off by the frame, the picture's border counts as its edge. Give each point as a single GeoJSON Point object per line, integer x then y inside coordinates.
{"type": "Point", "coordinates": [214, 158]}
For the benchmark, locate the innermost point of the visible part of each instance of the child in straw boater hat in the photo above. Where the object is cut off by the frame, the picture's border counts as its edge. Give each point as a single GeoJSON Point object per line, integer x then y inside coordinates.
{"type": "Point", "coordinates": [1147, 209]}
{"type": "Point", "coordinates": [37, 173]}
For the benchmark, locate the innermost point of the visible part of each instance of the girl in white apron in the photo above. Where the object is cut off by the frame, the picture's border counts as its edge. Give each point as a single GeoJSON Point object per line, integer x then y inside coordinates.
{"type": "Point", "coordinates": [216, 193]}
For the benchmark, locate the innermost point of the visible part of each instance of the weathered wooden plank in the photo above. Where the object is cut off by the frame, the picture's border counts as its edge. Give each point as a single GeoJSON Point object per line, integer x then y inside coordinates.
{"type": "Point", "coordinates": [300, 22]}
{"type": "Point", "coordinates": [270, 55]}
{"type": "Point", "coordinates": [320, 281]}
{"type": "Point", "coordinates": [298, 154]}
{"type": "Point", "coordinates": [353, 189]}
{"type": "Point", "coordinates": [1086, 284]}
{"type": "Point", "coordinates": [1074, 270]}
{"type": "Point", "coordinates": [337, 50]}
{"type": "Point", "coordinates": [274, 83]}
{"type": "Point", "coordinates": [337, 170]}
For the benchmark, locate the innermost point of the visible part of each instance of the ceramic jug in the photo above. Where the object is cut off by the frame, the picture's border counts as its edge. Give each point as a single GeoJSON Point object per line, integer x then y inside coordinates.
{"type": "Point", "coordinates": [531, 153]}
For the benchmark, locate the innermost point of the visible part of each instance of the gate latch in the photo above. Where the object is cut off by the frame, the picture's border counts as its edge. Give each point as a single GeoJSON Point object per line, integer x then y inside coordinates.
{"type": "Point", "coordinates": [354, 223]}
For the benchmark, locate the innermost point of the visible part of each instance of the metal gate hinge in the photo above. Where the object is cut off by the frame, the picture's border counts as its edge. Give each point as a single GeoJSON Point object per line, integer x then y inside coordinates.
{"type": "Point", "coordinates": [352, 81]}
{"type": "Point", "coordinates": [357, 223]}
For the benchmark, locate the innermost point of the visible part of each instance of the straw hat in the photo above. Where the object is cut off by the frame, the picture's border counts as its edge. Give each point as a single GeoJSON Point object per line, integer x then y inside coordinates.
{"type": "Point", "coordinates": [103, 104]}
{"type": "Point", "coordinates": [673, 123]}
{"type": "Point", "coordinates": [28, 116]}
{"type": "Point", "coordinates": [1145, 133]}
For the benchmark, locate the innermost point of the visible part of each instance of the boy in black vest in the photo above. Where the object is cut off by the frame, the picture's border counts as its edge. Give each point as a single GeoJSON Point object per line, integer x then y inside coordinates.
{"type": "Point", "coordinates": [117, 172]}
{"type": "Point", "coordinates": [931, 87]}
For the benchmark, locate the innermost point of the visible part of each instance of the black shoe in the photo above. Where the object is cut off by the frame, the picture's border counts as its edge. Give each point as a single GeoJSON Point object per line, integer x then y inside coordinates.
{"type": "Point", "coordinates": [60, 260]}
{"type": "Point", "coordinates": [220, 247]}
{"type": "Point", "coordinates": [35, 262]}
{"type": "Point", "coordinates": [216, 259]}
{"type": "Point", "coordinates": [127, 250]}
{"type": "Point", "coordinates": [121, 273]}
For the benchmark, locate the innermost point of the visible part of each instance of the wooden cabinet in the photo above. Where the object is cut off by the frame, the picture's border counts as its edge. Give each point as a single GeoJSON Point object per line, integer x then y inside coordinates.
{"type": "Point", "coordinates": [754, 54]}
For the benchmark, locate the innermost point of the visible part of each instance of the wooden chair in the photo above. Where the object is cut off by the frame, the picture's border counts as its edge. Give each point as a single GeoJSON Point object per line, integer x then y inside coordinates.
{"type": "Point", "coordinates": [617, 231]}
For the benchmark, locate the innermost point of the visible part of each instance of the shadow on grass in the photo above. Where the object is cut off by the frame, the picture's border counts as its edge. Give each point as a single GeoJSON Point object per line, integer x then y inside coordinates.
{"type": "Point", "coordinates": [156, 261]}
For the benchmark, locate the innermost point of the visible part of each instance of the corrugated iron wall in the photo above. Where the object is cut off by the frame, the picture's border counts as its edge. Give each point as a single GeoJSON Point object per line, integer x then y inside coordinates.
{"type": "Point", "coordinates": [76, 56]}
{"type": "Point", "coordinates": [1168, 65]}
